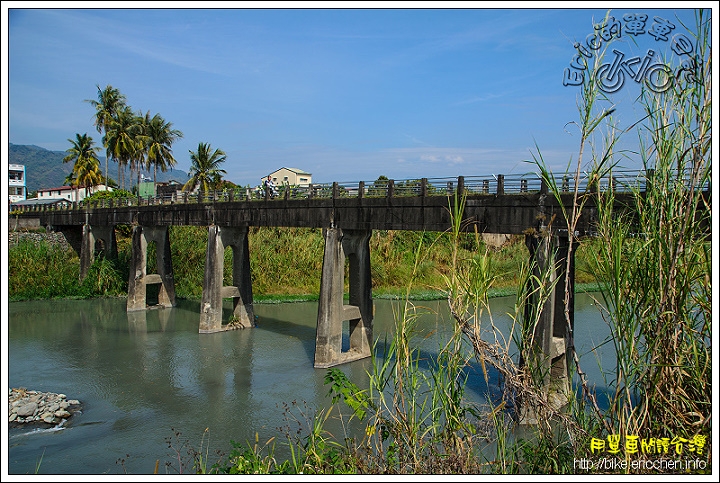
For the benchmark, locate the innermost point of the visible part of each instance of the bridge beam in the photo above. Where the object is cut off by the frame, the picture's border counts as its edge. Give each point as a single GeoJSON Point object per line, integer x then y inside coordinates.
{"type": "Point", "coordinates": [213, 290]}
{"type": "Point", "coordinates": [549, 358]}
{"type": "Point", "coordinates": [339, 244]}
{"type": "Point", "coordinates": [139, 278]}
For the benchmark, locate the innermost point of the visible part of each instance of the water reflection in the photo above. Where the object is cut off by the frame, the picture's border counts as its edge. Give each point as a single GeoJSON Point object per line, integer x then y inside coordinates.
{"type": "Point", "coordinates": [144, 374]}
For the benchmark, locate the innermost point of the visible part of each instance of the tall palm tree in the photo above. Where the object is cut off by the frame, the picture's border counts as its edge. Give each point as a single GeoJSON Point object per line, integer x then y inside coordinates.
{"type": "Point", "coordinates": [87, 165]}
{"type": "Point", "coordinates": [205, 172]}
{"type": "Point", "coordinates": [159, 148]}
{"type": "Point", "coordinates": [142, 142]}
{"type": "Point", "coordinates": [121, 139]}
{"type": "Point", "coordinates": [109, 102]}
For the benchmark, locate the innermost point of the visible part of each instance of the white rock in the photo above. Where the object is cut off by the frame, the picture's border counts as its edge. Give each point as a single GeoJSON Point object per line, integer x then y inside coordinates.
{"type": "Point", "coordinates": [27, 409]}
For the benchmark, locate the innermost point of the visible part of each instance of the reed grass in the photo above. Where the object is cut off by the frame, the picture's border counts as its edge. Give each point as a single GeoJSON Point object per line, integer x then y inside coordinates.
{"type": "Point", "coordinates": [653, 260]}
{"type": "Point", "coordinates": [655, 268]}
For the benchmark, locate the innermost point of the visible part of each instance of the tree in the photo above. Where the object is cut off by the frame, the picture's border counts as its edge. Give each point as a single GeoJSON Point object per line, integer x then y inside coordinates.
{"type": "Point", "coordinates": [107, 105]}
{"type": "Point", "coordinates": [121, 135]}
{"type": "Point", "coordinates": [205, 172]}
{"type": "Point", "coordinates": [86, 171]}
{"type": "Point", "coordinates": [161, 137]}
{"type": "Point", "coordinates": [379, 186]}
{"type": "Point", "coordinates": [141, 142]}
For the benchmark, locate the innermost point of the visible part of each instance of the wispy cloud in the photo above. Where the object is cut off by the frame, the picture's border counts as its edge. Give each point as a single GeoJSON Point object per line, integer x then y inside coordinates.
{"type": "Point", "coordinates": [476, 99]}
{"type": "Point", "coordinates": [130, 37]}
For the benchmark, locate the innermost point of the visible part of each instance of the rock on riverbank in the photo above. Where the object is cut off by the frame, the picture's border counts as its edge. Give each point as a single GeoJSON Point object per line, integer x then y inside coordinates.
{"type": "Point", "coordinates": [44, 408]}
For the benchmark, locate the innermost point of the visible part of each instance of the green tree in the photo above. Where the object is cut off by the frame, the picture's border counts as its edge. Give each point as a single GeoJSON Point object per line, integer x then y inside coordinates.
{"type": "Point", "coordinates": [86, 170]}
{"type": "Point", "coordinates": [122, 137]}
{"type": "Point", "coordinates": [109, 102]}
{"type": "Point", "coordinates": [161, 137]}
{"type": "Point", "coordinates": [379, 186]}
{"type": "Point", "coordinates": [205, 172]}
{"type": "Point", "coordinates": [139, 158]}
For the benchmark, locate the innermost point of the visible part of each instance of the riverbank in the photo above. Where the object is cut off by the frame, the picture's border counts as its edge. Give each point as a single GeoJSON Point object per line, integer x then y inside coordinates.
{"type": "Point", "coordinates": [286, 265]}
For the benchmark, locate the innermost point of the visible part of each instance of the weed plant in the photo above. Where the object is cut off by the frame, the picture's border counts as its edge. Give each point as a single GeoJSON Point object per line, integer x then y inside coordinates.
{"type": "Point", "coordinates": [653, 258]}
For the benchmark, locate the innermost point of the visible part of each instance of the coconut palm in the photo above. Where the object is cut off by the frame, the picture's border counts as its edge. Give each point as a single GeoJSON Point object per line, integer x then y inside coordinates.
{"type": "Point", "coordinates": [86, 169]}
{"type": "Point", "coordinates": [121, 137]}
{"type": "Point", "coordinates": [139, 160]}
{"type": "Point", "coordinates": [161, 137]}
{"type": "Point", "coordinates": [109, 102]}
{"type": "Point", "coordinates": [205, 172]}
{"type": "Point", "coordinates": [89, 174]}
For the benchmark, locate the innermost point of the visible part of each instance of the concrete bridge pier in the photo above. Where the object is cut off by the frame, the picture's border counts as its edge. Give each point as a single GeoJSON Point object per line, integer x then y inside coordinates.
{"type": "Point", "coordinates": [339, 244]}
{"type": "Point", "coordinates": [83, 239]}
{"type": "Point", "coordinates": [213, 290]}
{"type": "Point", "coordinates": [92, 234]}
{"type": "Point", "coordinates": [550, 360]}
{"type": "Point", "coordinates": [139, 278]}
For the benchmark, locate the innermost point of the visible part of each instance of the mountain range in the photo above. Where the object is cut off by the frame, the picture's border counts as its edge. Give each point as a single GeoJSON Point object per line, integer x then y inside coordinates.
{"type": "Point", "coordinates": [46, 169]}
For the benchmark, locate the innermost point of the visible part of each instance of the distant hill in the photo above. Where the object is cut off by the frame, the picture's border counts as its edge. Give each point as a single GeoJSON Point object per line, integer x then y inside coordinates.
{"type": "Point", "coordinates": [45, 169]}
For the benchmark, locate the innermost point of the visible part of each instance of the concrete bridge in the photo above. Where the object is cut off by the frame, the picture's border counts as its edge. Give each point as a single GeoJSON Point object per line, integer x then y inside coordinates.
{"type": "Point", "coordinates": [347, 213]}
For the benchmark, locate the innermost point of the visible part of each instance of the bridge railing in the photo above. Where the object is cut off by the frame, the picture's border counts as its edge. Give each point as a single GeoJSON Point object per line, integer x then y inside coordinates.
{"type": "Point", "coordinates": [618, 180]}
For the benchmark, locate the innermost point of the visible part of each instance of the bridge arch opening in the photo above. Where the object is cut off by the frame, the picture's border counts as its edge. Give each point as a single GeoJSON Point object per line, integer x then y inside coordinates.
{"type": "Point", "coordinates": [152, 290]}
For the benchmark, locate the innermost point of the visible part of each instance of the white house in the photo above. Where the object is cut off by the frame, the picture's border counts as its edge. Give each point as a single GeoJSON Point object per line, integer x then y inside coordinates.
{"type": "Point", "coordinates": [69, 193]}
{"type": "Point", "coordinates": [290, 176]}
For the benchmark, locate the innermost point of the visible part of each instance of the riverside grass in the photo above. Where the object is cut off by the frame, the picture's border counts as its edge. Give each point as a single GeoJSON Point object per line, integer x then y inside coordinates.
{"type": "Point", "coordinates": [286, 265]}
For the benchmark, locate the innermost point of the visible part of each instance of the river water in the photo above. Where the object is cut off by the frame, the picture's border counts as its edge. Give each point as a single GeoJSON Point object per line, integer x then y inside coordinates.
{"type": "Point", "coordinates": [151, 386]}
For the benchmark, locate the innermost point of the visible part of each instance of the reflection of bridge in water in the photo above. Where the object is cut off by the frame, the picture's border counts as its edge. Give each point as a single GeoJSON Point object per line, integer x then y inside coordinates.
{"type": "Point", "coordinates": [347, 213]}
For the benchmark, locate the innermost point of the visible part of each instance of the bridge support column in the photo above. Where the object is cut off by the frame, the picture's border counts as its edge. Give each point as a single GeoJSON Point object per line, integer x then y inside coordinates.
{"type": "Point", "coordinates": [90, 236]}
{"type": "Point", "coordinates": [340, 244]}
{"type": "Point", "coordinates": [549, 360]}
{"type": "Point", "coordinates": [83, 240]}
{"type": "Point", "coordinates": [213, 290]}
{"type": "Point", "coordinates": [139, 278]}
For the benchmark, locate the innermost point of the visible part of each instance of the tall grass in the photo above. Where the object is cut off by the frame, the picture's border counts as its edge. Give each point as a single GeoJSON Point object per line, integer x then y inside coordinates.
{"type": "Point", "coordinates": [286, 264]}
{"type": "Point", "coordinates": [655, 268]}
{"type": "Point", "coordinates": [653, 257]}
{"type": "Point", "coordinates": [44, 270]}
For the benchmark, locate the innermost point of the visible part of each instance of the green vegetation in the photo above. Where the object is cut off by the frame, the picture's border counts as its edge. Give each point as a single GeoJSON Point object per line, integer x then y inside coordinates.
{"type": "Point", "coordinates": [286, 263]}
{"type": "Point", "coordinates": [655, 268]}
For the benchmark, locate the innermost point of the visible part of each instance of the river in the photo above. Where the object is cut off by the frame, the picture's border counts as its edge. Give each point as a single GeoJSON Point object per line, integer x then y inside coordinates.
{"type": "Point", "coordinates": [151, 386]}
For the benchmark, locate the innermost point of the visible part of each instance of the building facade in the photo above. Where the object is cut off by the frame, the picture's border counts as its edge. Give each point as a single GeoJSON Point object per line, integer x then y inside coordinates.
{"type": "Point", "coordinates": [18, 183]}
{"type": "Point", "coordinates": [69, 193]}
{"type": "Point", "coordinates": [290, 177]}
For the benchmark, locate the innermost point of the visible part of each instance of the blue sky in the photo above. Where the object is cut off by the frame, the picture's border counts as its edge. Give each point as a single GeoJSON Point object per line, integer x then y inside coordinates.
{"type": "Point", "coordinates": [346, 94]}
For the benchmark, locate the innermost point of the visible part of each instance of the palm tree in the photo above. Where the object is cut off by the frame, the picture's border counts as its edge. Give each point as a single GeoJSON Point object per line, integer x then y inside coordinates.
{"type": "Point", "coordinates": [205, 172]}
{"type": "Point", "coordinates": [107, 105]}
{"type": "Point", "coordinates": [142, 142]}
{"type": "Point", "coordinates": [89, 174]}
{"type": "Point", "coordinates": [159, 148]}
{"type": "Point", "coordinates": [121, 139]}
{"type": "Point", "coordinates": [87, 165]}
